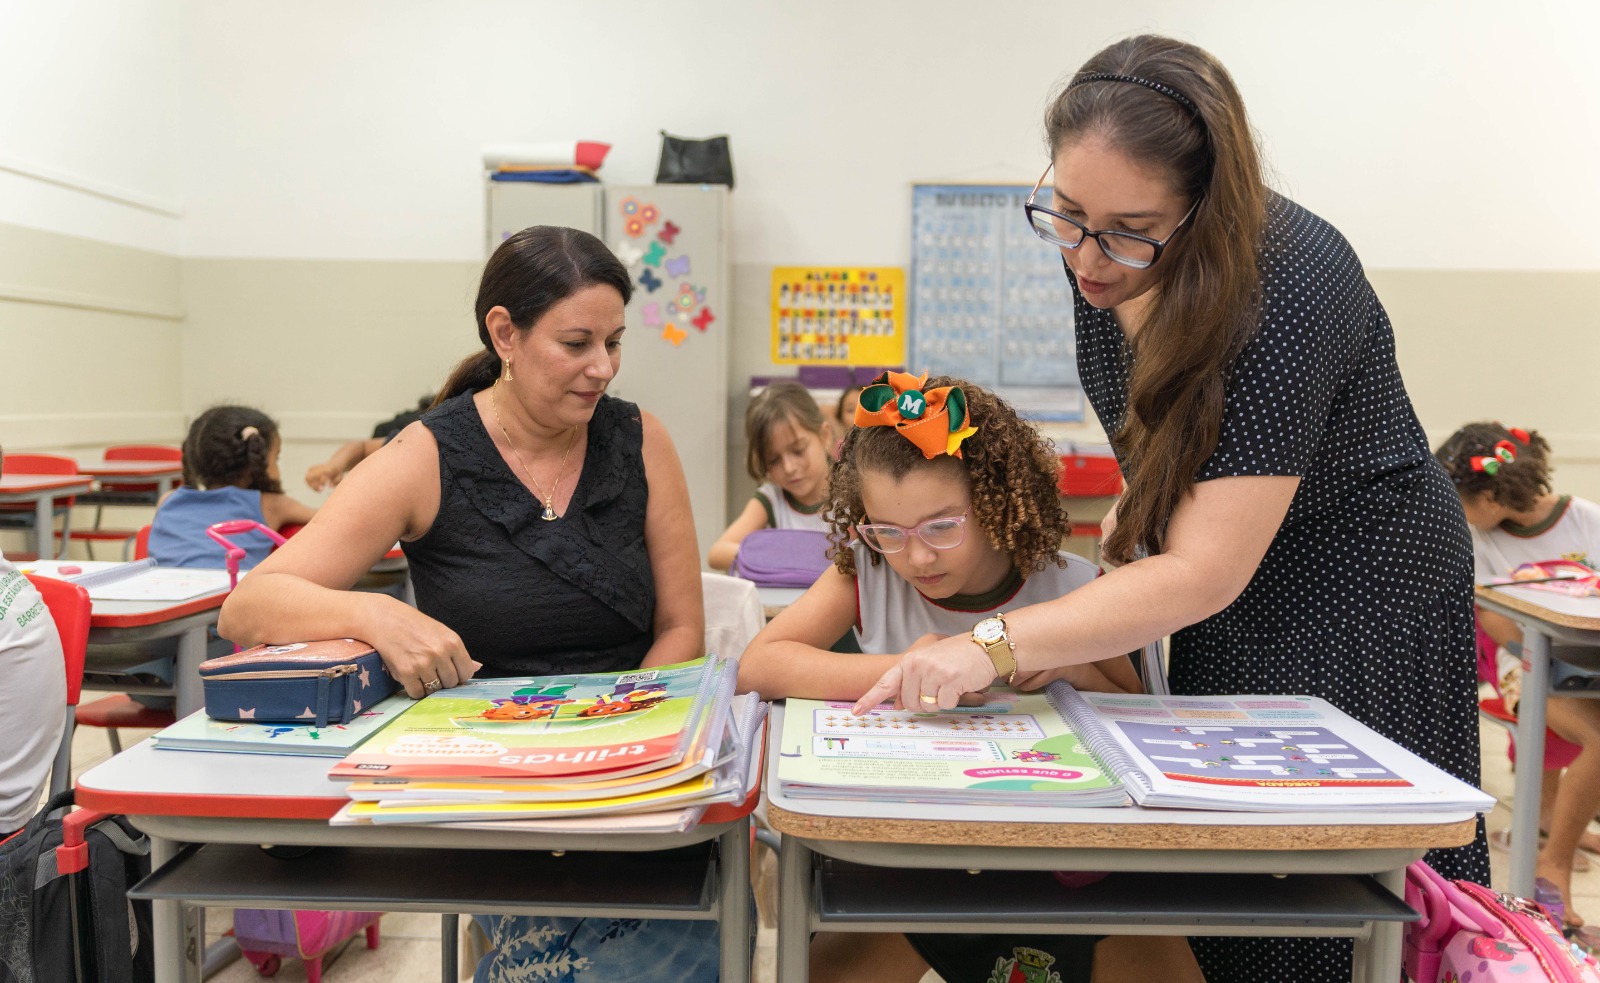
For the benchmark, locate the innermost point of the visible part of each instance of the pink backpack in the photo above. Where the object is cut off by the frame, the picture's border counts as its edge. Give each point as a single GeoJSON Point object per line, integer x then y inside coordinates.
{"type": "Point", "coordinates": [265, 937]}
{"type": "Point", "coordinates": [1468, 932]}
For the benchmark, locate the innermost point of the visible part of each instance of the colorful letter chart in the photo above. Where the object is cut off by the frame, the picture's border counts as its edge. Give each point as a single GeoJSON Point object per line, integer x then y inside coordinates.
{"type": "Point", "coordinates": [839, 315]}
{"type": "Point", "coordinates": [989, 299]}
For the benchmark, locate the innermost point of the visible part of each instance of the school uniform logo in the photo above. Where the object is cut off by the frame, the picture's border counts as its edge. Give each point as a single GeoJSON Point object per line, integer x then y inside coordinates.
{"type": "Point", "coordinates": [1025, 966]}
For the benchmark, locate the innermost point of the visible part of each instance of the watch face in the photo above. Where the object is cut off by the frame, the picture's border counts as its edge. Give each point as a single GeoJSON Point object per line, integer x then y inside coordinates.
{"type": "Point", "coordinates": [989, 630]}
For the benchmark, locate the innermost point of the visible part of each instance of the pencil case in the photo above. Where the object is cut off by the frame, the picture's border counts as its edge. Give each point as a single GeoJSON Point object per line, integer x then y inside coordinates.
{"type": "Point", "coordinates": [326, 682]}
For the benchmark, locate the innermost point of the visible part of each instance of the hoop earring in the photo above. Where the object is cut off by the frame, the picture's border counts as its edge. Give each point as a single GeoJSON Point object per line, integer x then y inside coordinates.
{"type": "Point", "coordinates": [508, 370]}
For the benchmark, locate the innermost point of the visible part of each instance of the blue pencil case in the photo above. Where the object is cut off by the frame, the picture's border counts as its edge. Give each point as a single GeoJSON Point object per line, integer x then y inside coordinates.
{"type": "Point", "coordinates": [321, 683]}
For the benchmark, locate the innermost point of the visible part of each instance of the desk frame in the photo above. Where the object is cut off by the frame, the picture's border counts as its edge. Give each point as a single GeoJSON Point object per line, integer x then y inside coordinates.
{"type": "Point", "coordinates": [1540, 627]}
{"type": "Point", "coordinates": [43, 490]}
{"type": "Point", "coordinates": [1382, 851]}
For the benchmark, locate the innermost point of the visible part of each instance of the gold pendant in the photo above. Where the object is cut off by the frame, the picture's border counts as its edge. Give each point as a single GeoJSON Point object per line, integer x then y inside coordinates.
{"type": "Point", "coordinates": [549, 514]}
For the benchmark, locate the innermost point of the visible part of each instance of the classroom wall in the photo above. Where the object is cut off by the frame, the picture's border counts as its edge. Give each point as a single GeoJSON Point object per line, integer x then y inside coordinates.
{"type": "Point", "coordinates": [90, 301]}
{"type": "Point", "coordinates": [283, 202]}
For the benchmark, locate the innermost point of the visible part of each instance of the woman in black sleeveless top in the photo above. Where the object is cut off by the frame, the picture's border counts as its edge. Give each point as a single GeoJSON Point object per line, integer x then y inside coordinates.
{"type": "Point", "coordinates": [548, 530]}
{"type": "Point", "coordinates": [547, 525]}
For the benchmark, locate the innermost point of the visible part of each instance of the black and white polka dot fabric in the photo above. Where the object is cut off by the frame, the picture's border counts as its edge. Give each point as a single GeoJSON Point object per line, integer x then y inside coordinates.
{"type": "Point", "coordinates": [1365, 595]}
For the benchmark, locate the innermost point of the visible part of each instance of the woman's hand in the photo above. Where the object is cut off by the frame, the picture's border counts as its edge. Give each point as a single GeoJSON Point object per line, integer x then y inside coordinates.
{"type": "Point", "coordinates": [932, 676]}
{"type": "Point", "coordinates": [422, 654]}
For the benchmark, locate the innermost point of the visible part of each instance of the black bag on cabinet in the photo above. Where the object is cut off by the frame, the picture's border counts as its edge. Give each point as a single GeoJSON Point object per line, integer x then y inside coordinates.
{"type": "Point", "coordinates": [685, 161]}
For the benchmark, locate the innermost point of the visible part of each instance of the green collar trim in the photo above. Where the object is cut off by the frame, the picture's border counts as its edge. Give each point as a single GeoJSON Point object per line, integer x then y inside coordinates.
{"type": "Point", "coordinates": [1543, 525]}
{"type": "Point", "coordinates": [803, 509]}
{"type": "Point", "coordinates": [987, 601]}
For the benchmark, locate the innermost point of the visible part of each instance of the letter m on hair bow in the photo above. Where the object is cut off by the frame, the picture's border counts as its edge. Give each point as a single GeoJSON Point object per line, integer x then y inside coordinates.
{"type": "Point", "coordinates": [935, 420]}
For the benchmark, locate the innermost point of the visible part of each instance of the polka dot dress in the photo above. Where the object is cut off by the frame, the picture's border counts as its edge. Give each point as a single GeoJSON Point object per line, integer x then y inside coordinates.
{"type": "Point", "coordinates": [1365, 596]}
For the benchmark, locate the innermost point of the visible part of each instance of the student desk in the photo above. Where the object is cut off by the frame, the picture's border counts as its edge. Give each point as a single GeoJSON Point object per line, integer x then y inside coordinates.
{"type": "Point", "coordinates": [41, 490]}
{"type": "Point", "coordinates": [164, 474]}
{"type": "Point", "coordinates": [1546, 617]}
{"type": "Point", "coordinates": [916, 867]}
{"type": "Point", "coordinates": [207, 813]}
{"type": "Point", "coordinates": [134, 622]}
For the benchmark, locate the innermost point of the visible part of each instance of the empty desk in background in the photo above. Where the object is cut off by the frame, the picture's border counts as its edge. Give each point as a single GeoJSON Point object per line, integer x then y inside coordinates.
{"type": "Point", "coordinates": [224, 805]}
{"type": "Point", "coordinates": [165, 475]}
{"type": "Point", "coordinates": [1546, 617]}
{"type": "Point", "coordinates": [885, 866]}
{"type": "Point", "coordinates": [133, 622]}
{"type": "Point", "coordinates": [41, 491]}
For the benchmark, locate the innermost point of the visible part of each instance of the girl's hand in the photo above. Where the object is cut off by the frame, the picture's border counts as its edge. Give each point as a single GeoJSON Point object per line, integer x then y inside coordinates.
{"type": "Point", "coordinates": [423, 655]}
{"type": "Point", "coordinates": [932, 677]}
{"type": "Point", "coordinates": [320, 476]}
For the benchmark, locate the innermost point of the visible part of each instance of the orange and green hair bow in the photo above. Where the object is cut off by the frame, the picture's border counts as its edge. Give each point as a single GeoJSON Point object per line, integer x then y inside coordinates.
{"type": "Point", "coordinates": [934, 419]}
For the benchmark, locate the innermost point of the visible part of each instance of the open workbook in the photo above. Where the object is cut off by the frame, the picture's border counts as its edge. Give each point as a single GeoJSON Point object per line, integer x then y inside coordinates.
{"type": "Point", "coordinates": [140, 580]}
{"type": "Point", "coordinates": [1063, 747]}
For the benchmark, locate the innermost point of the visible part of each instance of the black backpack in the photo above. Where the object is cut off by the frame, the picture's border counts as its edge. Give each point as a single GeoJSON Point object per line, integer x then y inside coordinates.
{"type": "Point", "coordinates": [74, 927]}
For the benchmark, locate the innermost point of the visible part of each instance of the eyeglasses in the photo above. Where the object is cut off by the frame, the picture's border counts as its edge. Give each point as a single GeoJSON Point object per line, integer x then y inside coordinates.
{"type": "Point", "coordinates": [942, 533]}
{"type": "Point", "coordinates": [1126, 248]}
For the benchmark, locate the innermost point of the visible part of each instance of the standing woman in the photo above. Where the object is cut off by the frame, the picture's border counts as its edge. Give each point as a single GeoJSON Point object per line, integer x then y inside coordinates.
{"type": "Point", "coordinates": [1283, 520]}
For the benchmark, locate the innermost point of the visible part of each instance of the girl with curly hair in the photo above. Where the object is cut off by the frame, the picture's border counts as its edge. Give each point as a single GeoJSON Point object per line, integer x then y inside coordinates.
{"type": "Point", "coordinates": [944, 511]}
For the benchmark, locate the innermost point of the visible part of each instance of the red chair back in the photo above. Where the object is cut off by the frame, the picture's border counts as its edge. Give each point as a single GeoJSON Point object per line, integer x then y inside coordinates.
{"type": "Point", "coordinates": [138, 452]}
{"type": "Point", "coordinates": [69, 607]}
{"type": "Point", "coordinates": [141, 543]}
{"type": "Point", "coordinates": [38, 464]}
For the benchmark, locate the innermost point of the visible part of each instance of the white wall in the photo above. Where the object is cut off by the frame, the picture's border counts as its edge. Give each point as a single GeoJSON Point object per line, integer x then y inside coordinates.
{"type": "Point", "coordinates": [352, 130]}
{"type": "Point", "coordinates": [89, 120]}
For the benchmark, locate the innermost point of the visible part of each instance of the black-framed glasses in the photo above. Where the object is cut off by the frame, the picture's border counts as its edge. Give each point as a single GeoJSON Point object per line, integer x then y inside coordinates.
{"type": "Point", "coordinates": [943, 533]}
{"type": "Point", "coordinates": [1126, 248]}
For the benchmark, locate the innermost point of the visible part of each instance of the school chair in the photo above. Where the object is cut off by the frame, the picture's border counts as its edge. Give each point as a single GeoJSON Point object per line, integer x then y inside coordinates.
{"type": "Point", "coordinates": [20, 515]}
{"type": "Point", "coordinates": [1088, 476]}
{"type": "Point", "coordinates": [1558, 752]}
{"type": "Point", "coordinates": [734, 614]}
{"type": "Point", "coordinates": [123, 493]}
{"type": "Point", "coordinates": [121, 710]}
{"type": "Point", "coordinates": [69, 609]}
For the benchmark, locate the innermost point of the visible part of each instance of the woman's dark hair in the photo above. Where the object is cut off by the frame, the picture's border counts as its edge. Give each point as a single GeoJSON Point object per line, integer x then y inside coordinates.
{"type": "Point", "coordinates": [1518, 484]}
{"type": "Point", "coordinates": [531, 272]}
{"type": "Point", "coordinates": [1011, 472]}
{"type": "Point", "coordinates": [230, 446]}
{"type": "Point", "coordinates": [781, 402]}
{"type": "Point", "coordinates": [1204, 307]}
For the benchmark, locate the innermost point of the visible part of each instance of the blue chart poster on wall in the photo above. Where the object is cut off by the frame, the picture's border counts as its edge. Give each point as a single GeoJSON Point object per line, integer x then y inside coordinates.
{"type": "Point", "coordinates": [989, 301]}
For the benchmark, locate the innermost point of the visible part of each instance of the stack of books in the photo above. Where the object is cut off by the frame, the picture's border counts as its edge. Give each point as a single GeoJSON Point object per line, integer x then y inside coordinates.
{"type": "Point", "coordinates": [1066, 748]}
{"type": "Point", "coordinates": [666, 742]}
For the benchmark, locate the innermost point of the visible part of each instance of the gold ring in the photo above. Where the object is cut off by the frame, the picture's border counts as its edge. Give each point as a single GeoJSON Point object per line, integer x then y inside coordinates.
{"type": "Point", "coordinates": [930, 699]}
{"type": "Point", "coordinates": [431, 685]}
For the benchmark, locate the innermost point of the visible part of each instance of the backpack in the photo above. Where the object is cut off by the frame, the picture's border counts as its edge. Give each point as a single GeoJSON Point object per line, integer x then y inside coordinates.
{"type": "Point", "coordinates": [782, 557]}
{"type": "Point", "coordinates": [64, 909]}
{"type": "Point", "coordinates": [1470, 932]}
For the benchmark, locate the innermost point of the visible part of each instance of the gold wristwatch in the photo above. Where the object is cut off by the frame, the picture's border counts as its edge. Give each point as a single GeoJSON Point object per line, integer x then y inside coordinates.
{"type": "Point", "coordinates": [992, 636]}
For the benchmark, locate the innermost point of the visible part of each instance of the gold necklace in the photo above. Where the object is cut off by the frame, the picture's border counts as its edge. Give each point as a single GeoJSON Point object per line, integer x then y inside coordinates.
{"type": "Point", "coordinates": [549, 513]}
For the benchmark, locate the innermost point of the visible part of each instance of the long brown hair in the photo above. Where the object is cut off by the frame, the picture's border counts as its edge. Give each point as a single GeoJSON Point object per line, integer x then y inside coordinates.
{"type": "Point", "coordinates": [529, 273]}
{"type": "Point", "coordinates": [1205, 304]}
{"type": "Point", "coordinates": [781, 402]}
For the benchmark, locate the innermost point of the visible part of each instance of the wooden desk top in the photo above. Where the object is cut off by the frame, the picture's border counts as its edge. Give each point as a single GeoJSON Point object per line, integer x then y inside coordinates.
{"type": "Point", "coordinates": [1122, 836]}
{"type": "Point", "coordinates": [1581, 613]}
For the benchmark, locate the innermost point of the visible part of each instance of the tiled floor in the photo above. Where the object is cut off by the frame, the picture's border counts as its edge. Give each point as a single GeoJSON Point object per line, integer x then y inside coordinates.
{"type": "Point", "coordinates": [410, 948]}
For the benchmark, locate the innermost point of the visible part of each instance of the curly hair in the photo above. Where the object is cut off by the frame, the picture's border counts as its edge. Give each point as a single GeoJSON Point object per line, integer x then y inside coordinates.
{"type": "Point", "coordinates": [1010, 469]}
{"type": "Point", "coordinates": [1517, 485]}
{"type": "Point", "coordinates": [231, 445]}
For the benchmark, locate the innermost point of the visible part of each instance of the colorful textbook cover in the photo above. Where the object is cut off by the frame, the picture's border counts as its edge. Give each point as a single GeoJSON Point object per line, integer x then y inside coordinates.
{"type": "Point", "coordinates": [1017, 749]}
{"type": "Point", "coordinates": [578, 726]}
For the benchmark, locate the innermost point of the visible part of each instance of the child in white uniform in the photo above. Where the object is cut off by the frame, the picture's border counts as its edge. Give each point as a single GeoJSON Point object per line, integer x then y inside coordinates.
{"type": "Point", "coordinates": [944, 512]}
{"type": "Point", "coordinates": [1503, 477]}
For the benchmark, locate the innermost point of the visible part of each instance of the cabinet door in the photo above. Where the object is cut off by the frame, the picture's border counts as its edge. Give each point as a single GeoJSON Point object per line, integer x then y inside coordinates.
{"type": "Point", "coordinates": [515, 205]}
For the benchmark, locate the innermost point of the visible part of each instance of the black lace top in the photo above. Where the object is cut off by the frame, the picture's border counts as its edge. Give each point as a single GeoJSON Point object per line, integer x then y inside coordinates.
{"type": "Point", "coordinates": [530, 597]}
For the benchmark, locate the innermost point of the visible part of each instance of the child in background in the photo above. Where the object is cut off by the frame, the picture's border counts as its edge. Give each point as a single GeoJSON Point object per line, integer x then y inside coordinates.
{"type": "Point", "coordinates": [33, 699]}
{"type": "Point", "coordinates": [944, 513]}
{"type": "Point", "coordinates": [330, 472]}
{"type": "Point", "coordinates": [230, 471]}
{"type": "Point", "coordinates": [1503, 477]}
{"type": "Point", "coordinates": [845, 413]}
{"type": "Point", "coordinates": [788, 447]}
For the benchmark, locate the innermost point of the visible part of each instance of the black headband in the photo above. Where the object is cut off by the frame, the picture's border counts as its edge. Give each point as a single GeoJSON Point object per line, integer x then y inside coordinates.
{"type": "Point", "coordinates": [1160, 87]}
